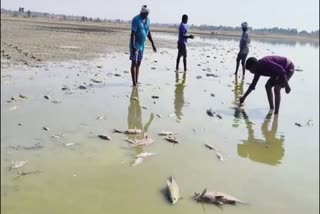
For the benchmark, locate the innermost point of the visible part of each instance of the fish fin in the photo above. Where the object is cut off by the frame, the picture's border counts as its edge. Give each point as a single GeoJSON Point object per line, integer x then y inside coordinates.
{"type": "Point", "coordinates": [203, 192]}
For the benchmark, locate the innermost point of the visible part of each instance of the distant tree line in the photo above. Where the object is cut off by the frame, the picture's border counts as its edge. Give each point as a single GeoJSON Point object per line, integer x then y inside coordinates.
{"type": "Point", "coordinates": [211, 28]}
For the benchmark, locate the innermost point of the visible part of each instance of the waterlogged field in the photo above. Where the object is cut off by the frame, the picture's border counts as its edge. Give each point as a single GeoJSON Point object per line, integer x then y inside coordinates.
{"type": "Point", "coordinates": [268, 162]}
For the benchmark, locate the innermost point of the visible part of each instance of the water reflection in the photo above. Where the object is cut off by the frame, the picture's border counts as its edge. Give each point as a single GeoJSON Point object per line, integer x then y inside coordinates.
{"type": "Point", "coordinates": [135, 117]}
{"type": "Point", "coordinates": [268, 150]}
{"type": "Point", "coordinates": [178, 96]}
{"type": "Point", "coordinates": [238, 91]}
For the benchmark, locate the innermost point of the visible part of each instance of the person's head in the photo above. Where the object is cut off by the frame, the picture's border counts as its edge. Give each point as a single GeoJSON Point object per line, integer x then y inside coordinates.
{"type": "Point", "coordinates": [244, 26]}
{"type": "Point", "coordinates": [144, 11]}
{"type": "Point", "coordinates": [184, 18]}
{"type": "Point", "coordinates": [251, 64]}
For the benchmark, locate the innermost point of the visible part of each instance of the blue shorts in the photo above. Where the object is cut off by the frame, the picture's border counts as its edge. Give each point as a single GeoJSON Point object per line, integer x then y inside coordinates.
{"type": "Point", "coordinates": [136, 56]}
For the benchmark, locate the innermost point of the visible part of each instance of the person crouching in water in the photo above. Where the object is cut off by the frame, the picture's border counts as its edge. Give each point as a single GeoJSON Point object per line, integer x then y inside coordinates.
{"type": "Point", "coordinates": [279, 69]}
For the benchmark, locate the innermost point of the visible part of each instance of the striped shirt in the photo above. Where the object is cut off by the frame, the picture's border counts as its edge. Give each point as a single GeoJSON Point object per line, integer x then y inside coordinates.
{"type": "Point", "coordinates": [244, 43]}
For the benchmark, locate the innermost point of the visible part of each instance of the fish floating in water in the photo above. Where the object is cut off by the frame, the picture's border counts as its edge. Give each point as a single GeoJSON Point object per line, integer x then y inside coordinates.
{"type": "Point", "coordinates": [172, 140]}
{"type": "Point", "coordinates": [104, 137]}
{"type": "Point", "coordinates": [17, 165]}
{"type": "Point", "coordinates": [45, 128]}
{"type": "Point", "coordinates": [143, 142]}
{"type": "Point", "coordinates": [137, 161]}
{"type": "Point", "coordinates": [145, 154]}
{"type": "Point", "coordinates": [216, 151]}
{"type": "Point", "coordinates": [173, 190]}
{"type": "Point", "coordinates": [128, 131]}
{"type": "Point", "coordinates": [165, 133]}
{"type": "Point", "coordinates": [218, 198]}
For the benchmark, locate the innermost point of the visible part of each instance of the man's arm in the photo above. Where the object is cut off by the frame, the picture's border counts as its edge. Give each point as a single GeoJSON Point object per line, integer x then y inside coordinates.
{"type": "Point", "coordinates": [251, 87]}
{"type": "Point", "coordinates": [151, 40]}
{"type": "Point", "coordinates": [133, 40]}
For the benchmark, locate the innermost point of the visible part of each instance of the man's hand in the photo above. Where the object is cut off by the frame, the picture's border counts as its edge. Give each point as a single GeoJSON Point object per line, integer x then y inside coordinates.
{"type": "Point", "coordinates": [288, 89]}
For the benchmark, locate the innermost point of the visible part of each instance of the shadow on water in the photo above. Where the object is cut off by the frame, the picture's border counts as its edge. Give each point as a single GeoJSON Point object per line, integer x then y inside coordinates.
{"type": "Point", "coordinates": [179, 96]}
{"type": "Point", "coordinates": [269, 150]}
{"type": "Point", "coordinates": [135, 118]}
{"type": "Point", "coordinates": [166, 194]}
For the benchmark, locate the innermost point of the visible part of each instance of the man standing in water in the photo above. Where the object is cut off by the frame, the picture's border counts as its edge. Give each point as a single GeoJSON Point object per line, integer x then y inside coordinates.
{"type": "Point", "coordinates": [182, 42]}
{"type": "Point", "coordinates": [244, 48]}
{"type": "Point", "coordinates": [279, 69]}
{"type": "Point", "coordinates": [140, 30]}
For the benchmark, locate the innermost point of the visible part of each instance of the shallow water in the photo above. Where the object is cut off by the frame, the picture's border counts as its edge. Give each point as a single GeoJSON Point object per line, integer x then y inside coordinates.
{"type": "Point", "coordinates": [268, 162]}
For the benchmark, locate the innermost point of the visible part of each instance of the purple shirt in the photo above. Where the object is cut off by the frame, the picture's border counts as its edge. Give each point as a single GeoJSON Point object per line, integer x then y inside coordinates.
{"type": "Point", "coordinates": [183, 29]}
{"type": "Point", "coordinates": [271, 66]}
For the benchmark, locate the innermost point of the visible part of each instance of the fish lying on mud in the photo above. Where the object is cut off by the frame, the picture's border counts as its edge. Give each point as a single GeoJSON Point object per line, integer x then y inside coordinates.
{"type": "Point", "coordinates": [173, 190]}
{"type": "Point", "coordinates": [218, 198]}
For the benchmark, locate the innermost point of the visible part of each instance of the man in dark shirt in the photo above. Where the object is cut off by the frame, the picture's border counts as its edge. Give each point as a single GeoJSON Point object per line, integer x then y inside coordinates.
{"type": "Point", "coordinates": [279, 69]}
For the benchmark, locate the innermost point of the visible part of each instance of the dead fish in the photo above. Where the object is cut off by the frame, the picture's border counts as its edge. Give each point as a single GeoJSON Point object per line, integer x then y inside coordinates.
{"type": "Point", "coordinates": [144, 107]}
{"type": "Point", "coordinates": [145, 154]}
{"type": "Point", "coordinates": [137, 161]}
{"type": "Point", "coordinates": [310, 123]}
{"type": "Point", "coordinates": [56, 101]}
{"type": "Point", "coordinates": [96, 81]}
{"type": "Point", "coordinates": [100, 118]}
{"type": "Point", "coordinates": [17, 165]}
{"type": "Point", "coordinates": [212, 95]}
{"type": "Point", "coordinates": [47, 97]}
{"type": "Point", "coordinates": [219, 116]}
{"type": "Point", "coordinates": [173, 190]}
{"type": "Point", "coordinates": [117, 75]}
{"type": "Point", "coordinates": [132, 131]}
{"type": "Point", "coordinates": [117, 131]}
{"type": "Point", "coordinates": [70, 144]}
{"type": "Point", "coordinates": [172, 140]}
{"type": "Point", "coordinates": [58, 136]}
{"type": "Point", "coordinates": [210, 147]}
{"type": "Point", "coordinates": [65, 88]}
{"type": "Point", "coordinates": [12, 108]}
{"type": "Point", "coordinates": [198, 77]}
{"type": "Point", "coordinates": [219, 156]}
{"type": "Point", "coordinates": [82, 87]}
{"type": "Point", "coordinates": [130, 141]}
{"type": "Point", "coordinates": [45, 128]}
{"type": "Point", "coordinates": [99, 66]}
{"type": "Point", "coordinates": [23, 96]}
{"type": "Point", "coordinates": [143, 142]}
{"type": "Point", "coordinates": [298, 124]}
{"type": "Point", "coordinates": [155, 97]}
{"type": "Point", "coordinates": [210, 113]}
{"type": "Point", "coordinates": [171, 115]}
{"type": "Point", "coordinates": [218, 198]}
{"type": "Point", "coordinates": [158, 115]}
{"type": "Point", "coordinates": [104, 137]}
{"type": "Point", "coordinates": [165, 133]}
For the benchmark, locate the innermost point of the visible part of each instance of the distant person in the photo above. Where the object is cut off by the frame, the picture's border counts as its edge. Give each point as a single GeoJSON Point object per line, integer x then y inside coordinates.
{"type": "Point", "coordinates": [140, 30]}
{"type": "Point", "coordinates": [279, 69]}
{"type": "Point", "coordinates": [244, 48]}
{"type": "Point", "coordinates": [182, 42]}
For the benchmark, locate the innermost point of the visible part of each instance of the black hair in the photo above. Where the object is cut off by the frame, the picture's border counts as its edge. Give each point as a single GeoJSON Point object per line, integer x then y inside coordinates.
{"type": "Point", "coordinates": [184, 17]}
{"type": "Point", "coordinates": [251, 62]}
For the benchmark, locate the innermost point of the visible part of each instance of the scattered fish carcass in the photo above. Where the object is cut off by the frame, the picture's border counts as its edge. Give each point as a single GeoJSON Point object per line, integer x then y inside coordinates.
{"type": "Point", "coordinates": [17, 165]}
{"type": "Point", "coordinates": [174, 191]}
{"type": "Point", "coordinates": [218, 198]}
{"type": "Point", "coordinates": [104, 137]}
{"type": "Point", "coordinates": [172, 140]}
{"type": "Point", "coordinates": [143, 142]}
{"type": "Point", "coordinates": [165, 133]}
{"type": "Point", "coordinates": [145, 154]}
{"type": "Point", "coordinates": [137, 161]}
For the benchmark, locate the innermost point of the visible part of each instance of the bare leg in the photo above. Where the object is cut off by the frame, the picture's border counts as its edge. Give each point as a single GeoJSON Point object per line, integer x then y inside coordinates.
{"type": "Point", "coordinates": [137, 71]}
{"type": "Point", "coordinates": [277, 94]}
{"type": "Point", "coordinates": [237, 66]}
{"type": "Point", "coordinates": [243, 68]}
{"type": "Point", "coordinates": [133, 73]}
{"type": "Point", "coordinates": [178, 61]}
{"type": "Point", "coordinates": [270, 96]}
{"type": "Point", "coordinates": [185, 63]}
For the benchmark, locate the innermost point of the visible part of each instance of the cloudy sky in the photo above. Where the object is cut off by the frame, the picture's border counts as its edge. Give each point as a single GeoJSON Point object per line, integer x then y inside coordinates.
{"type": "Point", "coordinates": [301, 14]}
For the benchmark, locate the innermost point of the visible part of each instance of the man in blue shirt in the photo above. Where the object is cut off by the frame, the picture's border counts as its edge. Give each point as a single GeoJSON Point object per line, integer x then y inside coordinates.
{"type": "Point", "coordinates": [139, 32]}
{"type": "Point", "coordinates": [182, 42]}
